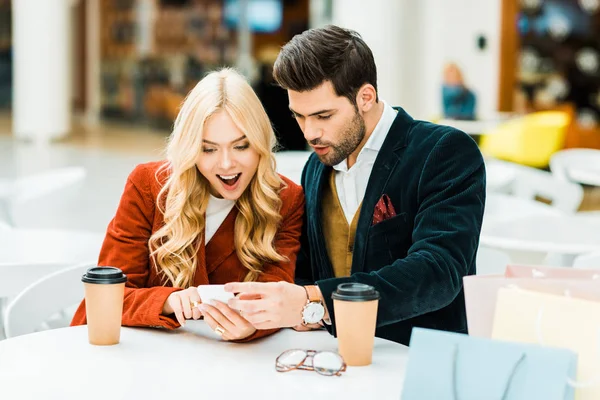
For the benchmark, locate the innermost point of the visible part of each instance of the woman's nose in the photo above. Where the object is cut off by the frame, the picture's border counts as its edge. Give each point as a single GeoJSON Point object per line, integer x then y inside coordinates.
{"type": "Point", "coordinates": [226, 160]}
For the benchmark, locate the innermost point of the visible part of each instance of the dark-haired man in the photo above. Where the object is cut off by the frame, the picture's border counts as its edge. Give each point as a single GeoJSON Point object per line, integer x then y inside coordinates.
{"type": "Point", "coordinates": [391, 202]}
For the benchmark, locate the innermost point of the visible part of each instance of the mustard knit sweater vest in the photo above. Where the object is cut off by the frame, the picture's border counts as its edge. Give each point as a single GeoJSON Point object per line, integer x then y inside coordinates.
{"type": "Point", "coordinates": [339, 236]}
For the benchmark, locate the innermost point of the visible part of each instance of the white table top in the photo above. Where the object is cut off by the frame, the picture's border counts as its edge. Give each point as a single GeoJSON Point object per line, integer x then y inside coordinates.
{"type": "Point", "coordinates": [191, 361]}
{"type": "Point", "coordinates": [37, 246]}
{"type": "Point", "coordinates": [501, 208]}
{"type": "Point", "coordinates": [564, 234]}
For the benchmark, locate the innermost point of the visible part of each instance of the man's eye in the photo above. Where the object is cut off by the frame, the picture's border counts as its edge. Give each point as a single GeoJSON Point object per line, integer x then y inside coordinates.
{"type": "Point", "coordinates": [324, 116]}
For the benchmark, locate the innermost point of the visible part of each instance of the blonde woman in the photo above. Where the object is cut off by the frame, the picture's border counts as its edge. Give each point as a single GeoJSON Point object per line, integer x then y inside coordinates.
{"type": "Point", "coordinates": [215, 212]}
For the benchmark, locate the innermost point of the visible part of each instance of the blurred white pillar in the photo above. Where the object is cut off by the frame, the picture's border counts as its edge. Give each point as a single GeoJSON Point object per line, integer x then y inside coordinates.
{"type": "Point", "coordinates": [391, 29]}
{"type": "Point", "coordinates": [245, 62]}
{"type": "Point", "coordinates": [319, 13]}
{"type": "Point", "coordinates": [41, 84]}
{"type": "Point", "coordinates": [93, 62]}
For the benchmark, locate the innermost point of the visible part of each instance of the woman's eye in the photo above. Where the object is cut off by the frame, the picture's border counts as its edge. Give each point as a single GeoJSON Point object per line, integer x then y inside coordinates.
{"type": "Point", "coordinates": [207, 150]}
{"type": "Point", "coordinates": [242, 147]}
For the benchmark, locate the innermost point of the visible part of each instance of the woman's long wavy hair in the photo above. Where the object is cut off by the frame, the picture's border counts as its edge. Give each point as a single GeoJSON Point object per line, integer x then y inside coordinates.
{"type": "Point", "coordinates": [183, 199]}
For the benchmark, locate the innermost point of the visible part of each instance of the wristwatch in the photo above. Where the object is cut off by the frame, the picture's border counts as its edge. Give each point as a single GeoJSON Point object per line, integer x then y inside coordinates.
{"type": "Point", "coordinates": [313, 311]}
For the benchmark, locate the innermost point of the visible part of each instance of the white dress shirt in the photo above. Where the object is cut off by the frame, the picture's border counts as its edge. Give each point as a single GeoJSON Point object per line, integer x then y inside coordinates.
{"type": "Point", "coordinates": [216, 212]}
{"type": "Point", "coordinates": [351, 184]}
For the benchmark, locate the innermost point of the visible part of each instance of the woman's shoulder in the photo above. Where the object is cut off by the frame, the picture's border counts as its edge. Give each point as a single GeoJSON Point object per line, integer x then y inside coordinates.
{"type": "Point", "coordinates": [292, 196]}
{"type": "Point", "coordinates": [150, 177]}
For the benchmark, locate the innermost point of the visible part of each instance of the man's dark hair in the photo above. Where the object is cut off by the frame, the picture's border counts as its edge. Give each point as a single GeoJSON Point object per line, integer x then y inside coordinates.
{"type": "Point", "coordinates": [324, 54]}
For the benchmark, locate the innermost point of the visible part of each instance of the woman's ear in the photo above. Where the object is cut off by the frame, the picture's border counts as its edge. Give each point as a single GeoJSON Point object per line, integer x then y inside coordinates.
{"type": "Point", "coordinates": [366, 97]}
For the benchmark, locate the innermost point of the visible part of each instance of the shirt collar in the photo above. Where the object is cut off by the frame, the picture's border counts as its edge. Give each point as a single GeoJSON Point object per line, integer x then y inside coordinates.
{"type": "Point", "coordinates": [378, 136]}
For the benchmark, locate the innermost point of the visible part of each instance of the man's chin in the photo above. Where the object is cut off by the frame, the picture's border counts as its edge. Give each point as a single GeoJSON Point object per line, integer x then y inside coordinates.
{"type": "Point", "coordinates": [325, 160]}
{"type": "Point", "coordinates": [329, 160]}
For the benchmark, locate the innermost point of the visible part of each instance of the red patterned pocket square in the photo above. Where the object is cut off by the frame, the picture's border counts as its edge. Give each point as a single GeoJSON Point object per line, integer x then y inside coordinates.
{"type": "Point", "coordinates": [384, 209]}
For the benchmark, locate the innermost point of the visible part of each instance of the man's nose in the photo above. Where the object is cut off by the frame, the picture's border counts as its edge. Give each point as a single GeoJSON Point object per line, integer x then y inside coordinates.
{"type": "Point", "coordinates": [311, 131]}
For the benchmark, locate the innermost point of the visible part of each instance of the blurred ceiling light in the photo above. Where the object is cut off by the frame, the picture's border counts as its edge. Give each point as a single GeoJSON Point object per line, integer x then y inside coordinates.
{"type": "Point", "coordinates": [588, 61]}
{"type": "Point", "coordinates": [557, 86]}
{"type": "Point", "coordinates": [595, 98]}
{"type": "Point", "coordinates": [590, 6]}
{"type": "Point", "coordinates": [531, 5]}
{"type": "Point", "coordinates": [587, 118]}
{"type": "Point", "coordinates": [529, 60]}
{"type": "Point", "coordinates": [546, 98]}
{"type": "Point", "coordinates": [559, 27]}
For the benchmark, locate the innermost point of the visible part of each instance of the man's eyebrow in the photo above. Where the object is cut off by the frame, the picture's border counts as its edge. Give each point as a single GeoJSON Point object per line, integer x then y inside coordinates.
{"type": "Point", "coordinates": [233, 141]}
{"type": "Point", "coordinates": [312, 114]}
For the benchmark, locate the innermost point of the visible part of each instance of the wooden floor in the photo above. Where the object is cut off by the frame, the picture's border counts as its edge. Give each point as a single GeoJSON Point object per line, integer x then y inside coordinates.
{"type": "Point", "coordinates": [120, 138]}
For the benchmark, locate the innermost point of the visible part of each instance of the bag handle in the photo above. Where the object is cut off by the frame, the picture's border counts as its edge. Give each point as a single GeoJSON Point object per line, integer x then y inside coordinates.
{"type": "Point", "coordinates": [571, 382]}
{"type": "Point", "coordinates": [537, 274]}
{"type": "Point", "coordinates": [508, 382]}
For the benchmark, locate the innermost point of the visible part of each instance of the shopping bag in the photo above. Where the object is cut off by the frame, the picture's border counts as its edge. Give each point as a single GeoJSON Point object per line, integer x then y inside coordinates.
{"type": "Point", "coordinates": [481, 290]}
{"type": "Point", "coordinates": [454, 366]}
{"type": "Point", "coordinates": [556, 321]}
{"type": "Point", "coordinates": [543, 272]}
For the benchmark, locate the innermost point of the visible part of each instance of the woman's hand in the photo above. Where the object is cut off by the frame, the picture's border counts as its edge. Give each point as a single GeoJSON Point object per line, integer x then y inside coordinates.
{"type": "Point", "coordinates": [181, 304]}
{"type": "Point", "coordinates": [225, 321]}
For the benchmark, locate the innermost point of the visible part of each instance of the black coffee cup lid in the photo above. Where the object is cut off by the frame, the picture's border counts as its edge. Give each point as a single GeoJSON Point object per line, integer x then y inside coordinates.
{"type": "Point", "coordinates": [355, 292]}
{"type": "Point", "coordinates": [104, 275]}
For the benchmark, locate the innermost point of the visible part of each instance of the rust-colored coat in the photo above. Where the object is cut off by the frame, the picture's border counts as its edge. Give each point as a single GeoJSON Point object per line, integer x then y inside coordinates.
{"type": "Point", "coordinates": [126, 247]}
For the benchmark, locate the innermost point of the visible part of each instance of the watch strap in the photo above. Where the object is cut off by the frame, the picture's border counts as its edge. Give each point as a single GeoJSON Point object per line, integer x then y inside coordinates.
{"type": "Point", "coordinates": [312, 293]}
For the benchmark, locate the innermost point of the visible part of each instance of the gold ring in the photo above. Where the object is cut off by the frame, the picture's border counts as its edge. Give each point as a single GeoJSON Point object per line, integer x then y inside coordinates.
{"type": "Point", "coordinates": [219, 331]}
{"type": "Point", "coordinates": [194, 303]}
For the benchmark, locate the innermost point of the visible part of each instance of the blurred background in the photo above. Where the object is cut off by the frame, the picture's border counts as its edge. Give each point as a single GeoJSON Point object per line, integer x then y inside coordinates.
{"type": "Point", "coordinates": [90, 88]}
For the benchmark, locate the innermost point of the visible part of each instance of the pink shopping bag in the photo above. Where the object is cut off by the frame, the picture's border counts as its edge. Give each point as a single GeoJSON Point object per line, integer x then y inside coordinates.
{"type": "Point", "coordinates": [481, 290]}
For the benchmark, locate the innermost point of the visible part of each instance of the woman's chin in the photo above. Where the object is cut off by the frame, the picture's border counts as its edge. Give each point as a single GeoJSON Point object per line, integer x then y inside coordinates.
{"type": "Point", "coordinates": [232, 193]}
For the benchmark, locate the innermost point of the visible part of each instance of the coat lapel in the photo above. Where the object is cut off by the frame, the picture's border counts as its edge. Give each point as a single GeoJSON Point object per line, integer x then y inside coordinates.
{"type": "Point", "coordinates": [386, 162]}
{"type": "Point", "coordinates": [218, 249]}
{"type": "Point", "coordinates": [314, 211]}
{"type": "Point", "coordinates": [201, 276]}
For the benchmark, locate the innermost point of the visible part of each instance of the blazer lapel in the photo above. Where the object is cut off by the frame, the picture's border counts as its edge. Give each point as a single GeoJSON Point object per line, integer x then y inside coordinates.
{"type": "Point", "coordinates": [383, 168]}
{"type": "Point", "coordinates": [313, 208]}
{"type": "Point", "coordinates": [201, 276]}
{"type": "Point", "coordinates": [221, 245]}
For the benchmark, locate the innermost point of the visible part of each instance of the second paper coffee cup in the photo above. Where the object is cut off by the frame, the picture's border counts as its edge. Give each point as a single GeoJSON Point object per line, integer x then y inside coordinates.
{"type": "Point", "coordinates": [104, 291]}
{"type": "Point", "coordinates": [355, 306]}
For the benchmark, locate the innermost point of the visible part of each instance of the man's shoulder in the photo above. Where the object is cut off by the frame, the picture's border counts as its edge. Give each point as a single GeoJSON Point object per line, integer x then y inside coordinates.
{"type": "Point", "coordinates": [424, 136]}
{"type": "Point", "coordinates": [429, 132]}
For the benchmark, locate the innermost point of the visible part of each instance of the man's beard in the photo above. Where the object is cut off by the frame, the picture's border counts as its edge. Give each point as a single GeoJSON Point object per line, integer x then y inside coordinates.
{"type": "Point", "coordinates": [353, 134]}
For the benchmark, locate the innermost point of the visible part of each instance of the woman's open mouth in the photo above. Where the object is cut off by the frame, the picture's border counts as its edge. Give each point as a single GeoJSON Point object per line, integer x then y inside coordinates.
{"type": "Point", "coordinates": [230, 181]}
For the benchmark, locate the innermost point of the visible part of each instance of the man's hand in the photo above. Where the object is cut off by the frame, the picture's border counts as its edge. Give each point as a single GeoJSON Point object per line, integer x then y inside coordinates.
{"type": "Point", "coordinates": [308, 327]}
{"type": "Point", "coordinates": [275, 304]}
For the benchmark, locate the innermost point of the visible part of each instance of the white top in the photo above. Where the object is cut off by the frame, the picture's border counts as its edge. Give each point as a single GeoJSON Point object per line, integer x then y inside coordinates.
{"type": "Point", "coordinates": [351, 184]}
{"type": "Point", "coordinates": [216, 212]}
{"type": "Point", "coordinates": [188, 362]}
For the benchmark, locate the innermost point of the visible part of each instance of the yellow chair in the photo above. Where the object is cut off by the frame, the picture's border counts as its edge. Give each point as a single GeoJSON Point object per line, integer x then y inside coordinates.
{"type": "Point", "coordinates": [530, 140]}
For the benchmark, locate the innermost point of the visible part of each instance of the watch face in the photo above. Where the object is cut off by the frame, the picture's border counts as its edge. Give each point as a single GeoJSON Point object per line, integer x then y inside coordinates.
{"type": "Point", "coordinates": [313, 313]}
